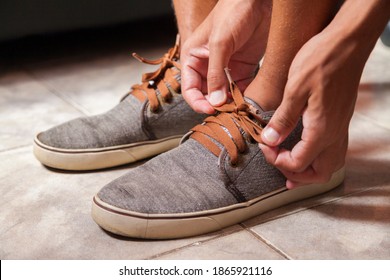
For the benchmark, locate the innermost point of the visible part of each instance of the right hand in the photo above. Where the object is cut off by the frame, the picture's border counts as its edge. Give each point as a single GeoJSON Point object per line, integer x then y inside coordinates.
{"type": "Point", "coordinates": [322, 89]}
{"type": "Point", "coordinates": [234, 35]}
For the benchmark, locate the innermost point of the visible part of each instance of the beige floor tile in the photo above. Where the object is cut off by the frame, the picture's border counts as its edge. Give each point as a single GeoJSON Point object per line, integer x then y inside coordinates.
{"type": "Point", "coordinates": [27, 107]}
{"type": "Point", "coordinates": [95, 84]}
{"type": "Point", "coordinates": [45, 214]}
{"type": "Point", "coordinates": [374, 91]}
{"type": "Point", "coordinates": [356, 227]}
{"type": "Point", "coordinates": [377, 68]}
{"type": "Point", "coordinates": [374, 102]}
{"type": "Point", "coordinates": [368, 157]}
{"type": "Point", "coordinates": [240, 245]}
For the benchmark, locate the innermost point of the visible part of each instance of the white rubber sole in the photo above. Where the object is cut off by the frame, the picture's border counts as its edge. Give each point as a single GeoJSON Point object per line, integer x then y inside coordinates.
{"type": "Point", "coordinates": [92, 159]}
{"type": "Point", "coordinates": [170, 226]}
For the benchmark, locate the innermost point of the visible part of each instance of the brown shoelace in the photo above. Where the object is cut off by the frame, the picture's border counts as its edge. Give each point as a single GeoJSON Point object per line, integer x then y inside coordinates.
{"type": "Point", "coordinates": [162, 79]}
{"type": "Point", "coordinates": [230, 117]}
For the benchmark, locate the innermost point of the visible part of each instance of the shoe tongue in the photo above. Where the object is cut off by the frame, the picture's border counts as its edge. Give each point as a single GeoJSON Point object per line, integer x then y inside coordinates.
{"type": "Point", "coordinates": [264, 115]}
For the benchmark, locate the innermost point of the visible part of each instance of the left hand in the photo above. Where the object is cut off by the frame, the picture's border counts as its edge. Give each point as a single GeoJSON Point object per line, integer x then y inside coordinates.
{"type": "Point", "coordinates": [231, 36]}
{"type": "Point", "coordinates": [322, 89]}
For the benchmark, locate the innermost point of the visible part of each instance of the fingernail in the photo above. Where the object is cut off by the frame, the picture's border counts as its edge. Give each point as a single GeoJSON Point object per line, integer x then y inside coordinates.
{"type": "Point", "coordinates": [217, 98]}
{"type": "Point", "coordinates": [271, 135]}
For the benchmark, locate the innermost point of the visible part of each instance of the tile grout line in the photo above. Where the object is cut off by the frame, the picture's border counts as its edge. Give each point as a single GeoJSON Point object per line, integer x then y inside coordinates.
{"type": "Point", "coordinates": [268, 244]}
{"type": "Point", "coordinates": [197, 243]}
{"type": "Point", "coordinates": [253, 233]}
{"type": "Point", "coordinates": [316, 205]}
{"type": "Point", "coordinates": [279, 251]}
{"type": "Point", "coordinates": [59, 95]}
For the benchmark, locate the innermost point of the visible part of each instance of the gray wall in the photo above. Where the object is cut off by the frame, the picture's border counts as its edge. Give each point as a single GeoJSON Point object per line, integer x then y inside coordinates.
{"type": "Point", "coordinates": [19, 18]}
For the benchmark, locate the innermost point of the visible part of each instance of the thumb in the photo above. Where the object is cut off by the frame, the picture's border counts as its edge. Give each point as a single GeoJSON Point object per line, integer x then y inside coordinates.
{"type": "Point", "coordinates": [284, 119]}
{"type": "Point", "coordinates": [216, 79]}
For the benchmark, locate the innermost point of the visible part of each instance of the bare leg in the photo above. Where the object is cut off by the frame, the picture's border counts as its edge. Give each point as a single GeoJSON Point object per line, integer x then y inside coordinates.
{"type": "Point", "coordinates": [293, 23]}
{"type": "Point", "coordinates": [190, 14]}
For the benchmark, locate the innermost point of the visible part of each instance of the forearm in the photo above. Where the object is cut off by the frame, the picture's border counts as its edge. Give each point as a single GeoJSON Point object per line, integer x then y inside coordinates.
{"type": "Point", "coordinates": [361, 22]}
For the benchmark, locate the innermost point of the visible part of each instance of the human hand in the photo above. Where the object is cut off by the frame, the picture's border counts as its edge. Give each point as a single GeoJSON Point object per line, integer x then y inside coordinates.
{"type": "Point", "coordinates": [231, 36]}
{"type": "Point", "coordinates": [322, 89]}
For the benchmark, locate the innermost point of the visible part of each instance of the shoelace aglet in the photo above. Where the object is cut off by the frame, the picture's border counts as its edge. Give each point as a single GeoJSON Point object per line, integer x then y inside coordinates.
{"type": "Point", "coordinates": [177, 43]}
{"type": "Point", "coordinates": [138, 57]}
{"type": "Point", "coordinates": [147, 61]}
{"type": "Point", "coordinates": [229, 77]}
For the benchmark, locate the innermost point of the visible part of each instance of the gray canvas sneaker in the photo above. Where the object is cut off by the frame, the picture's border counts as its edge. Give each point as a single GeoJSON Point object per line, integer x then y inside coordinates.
{"type": "Point", "coordinates": [149, 120]}
{"type": "Point", "coordinates": [217, 177]}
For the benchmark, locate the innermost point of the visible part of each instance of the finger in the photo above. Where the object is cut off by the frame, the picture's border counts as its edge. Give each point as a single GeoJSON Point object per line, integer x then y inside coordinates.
{"type": "Point", "coordinates": [191, 91]}
{"type": "Point", "coordinates": [321, 170]}
{"type": "Point", "coordinates": [286, 116]}
{"type": "Point", "coordinates": [292, 184]}
{"type": "Point", "coordinates": [299, 158]}
{"type": "Point", "coordinates": [270, 153]}
{"type": "Point", "coordinates": [197, 102]}
{"type": "Point", "coordinates": [294, 179]}
{"type": "Point", "coordinates": [219, 56]}
{"type": "Point", "coordinates": [299, 179]}
{"type": "Point", "coordinates": [301, 155]}
{"type": "Point", "coordinates": [308, 176]}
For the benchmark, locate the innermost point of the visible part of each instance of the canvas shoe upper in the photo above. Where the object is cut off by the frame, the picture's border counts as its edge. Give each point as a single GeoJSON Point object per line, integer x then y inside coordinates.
{"type": "Point", "coordinates": [149, 120]}
{"type": "Point", "coordinates": [217, 177]}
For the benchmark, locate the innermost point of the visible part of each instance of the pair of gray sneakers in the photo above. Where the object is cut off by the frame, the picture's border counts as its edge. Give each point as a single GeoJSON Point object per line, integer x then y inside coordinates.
{"type": "Point", "coordinates": [215, 178]}
{"type": "Point", "coordinates": [149, 120]}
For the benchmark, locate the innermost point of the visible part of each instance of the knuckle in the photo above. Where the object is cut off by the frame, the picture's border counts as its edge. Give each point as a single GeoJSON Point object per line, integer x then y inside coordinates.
{"type": "Point", "coordinates": [285, 121]}
{"type": "Point", "coordinates": [293, 87]}
{"type": "Point", "coordinates": [293, 166]}
{"type": "Point", "coordinates": [298, 166]}
{"type": "Point", "coordinates": [215, 78]}
{"type": "Point", "coordinates": [219, 43]}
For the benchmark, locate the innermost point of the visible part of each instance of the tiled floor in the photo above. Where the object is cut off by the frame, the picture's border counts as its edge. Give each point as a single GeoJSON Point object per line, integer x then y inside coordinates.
{"type": "Point", "coordinates": [45, 214]}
